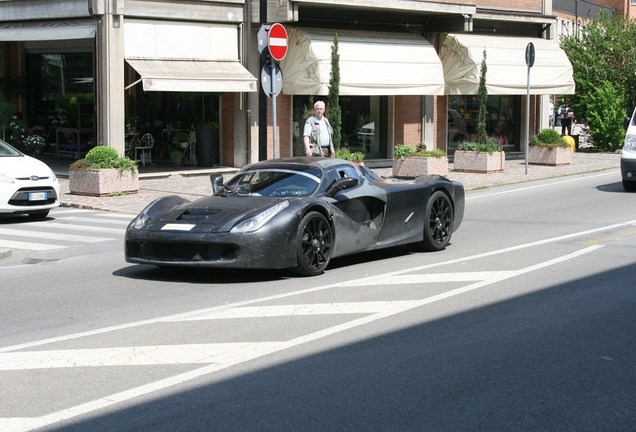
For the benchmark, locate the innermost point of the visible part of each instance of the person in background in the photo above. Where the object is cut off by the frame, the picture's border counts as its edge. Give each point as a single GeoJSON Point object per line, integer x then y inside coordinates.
{"type": "Point", "coordinates": [567, 115]}
{"type": "Point", "coordinates": [318, 133]}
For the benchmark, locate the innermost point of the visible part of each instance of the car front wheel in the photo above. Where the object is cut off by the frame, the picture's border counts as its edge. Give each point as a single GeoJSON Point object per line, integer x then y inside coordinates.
{"type": "Point", "coordinates": [314, 244]}
{"type": "Point", "coordinates": [438, 223]}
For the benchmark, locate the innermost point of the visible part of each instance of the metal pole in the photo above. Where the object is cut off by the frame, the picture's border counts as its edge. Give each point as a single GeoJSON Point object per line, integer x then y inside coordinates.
{"type": "Point", "coordinates": [273, 93]}
{"type": "Point", "coordinates": [527, 132]}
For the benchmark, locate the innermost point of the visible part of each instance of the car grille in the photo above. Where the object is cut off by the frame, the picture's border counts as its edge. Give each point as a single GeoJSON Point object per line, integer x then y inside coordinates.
{"type": "Point", "coordinates": [180, 252]}
{"type": "Point", "coordinates": [21, 197]}
{"type": "Point", "coordinates": [197, 215]}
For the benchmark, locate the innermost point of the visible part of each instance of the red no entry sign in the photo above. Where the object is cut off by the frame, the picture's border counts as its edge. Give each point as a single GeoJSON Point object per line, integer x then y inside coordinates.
{"type": "Point", "coordinates": [277, 41]}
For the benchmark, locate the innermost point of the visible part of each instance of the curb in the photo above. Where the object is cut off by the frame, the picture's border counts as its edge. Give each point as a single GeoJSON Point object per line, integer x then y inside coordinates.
{"type": "Point", "coordinates": [4, 253]}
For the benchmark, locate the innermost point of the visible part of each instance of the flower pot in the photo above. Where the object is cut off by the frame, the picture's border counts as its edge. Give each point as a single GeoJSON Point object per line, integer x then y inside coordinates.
{"type": "Point", "coordinates": [417, 166]}
{"type": "Point", "coordinates": [103, 182]}
{"type": "Point", "coordinates": [541, 155]}
{"type": "Point", "coordinates": [479, 162]}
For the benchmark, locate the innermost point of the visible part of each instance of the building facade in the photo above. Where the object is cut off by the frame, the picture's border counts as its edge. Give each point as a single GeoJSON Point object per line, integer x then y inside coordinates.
{"type": "Point", "coordinates": [114, 69]}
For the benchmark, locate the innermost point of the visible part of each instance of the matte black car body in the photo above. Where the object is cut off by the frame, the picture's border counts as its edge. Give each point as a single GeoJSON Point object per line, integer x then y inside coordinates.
{"type": "Point", "coordinates": [339, 209]}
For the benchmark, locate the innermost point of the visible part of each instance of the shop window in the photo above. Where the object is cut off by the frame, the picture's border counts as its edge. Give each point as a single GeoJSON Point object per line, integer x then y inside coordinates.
{"type": "Point", "coordinates": [57, 82]}
{"type": "Point", "coordinates": [363, 123]}
{"type": "Point", "coordinates": [501, 119]}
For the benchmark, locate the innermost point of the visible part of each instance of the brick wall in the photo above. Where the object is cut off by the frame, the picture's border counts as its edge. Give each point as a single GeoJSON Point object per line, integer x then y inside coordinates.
{"type": "Point", "coordinates": [408, 119]}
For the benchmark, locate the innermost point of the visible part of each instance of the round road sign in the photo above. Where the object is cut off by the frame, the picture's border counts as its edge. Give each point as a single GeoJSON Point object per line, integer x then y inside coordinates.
{"type": "Point", "coordinates": [277, 41]}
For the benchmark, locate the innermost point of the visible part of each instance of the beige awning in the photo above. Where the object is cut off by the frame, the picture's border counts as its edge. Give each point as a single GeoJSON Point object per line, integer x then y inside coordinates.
{"type": "Point", "coordinates": [193, 75]}
{"type": "Point", "coordinates": [507, 72]}
{"type": "Point", "coordinates": [47, 30]}
{"type": "Point", "coordinates": [371, 63]}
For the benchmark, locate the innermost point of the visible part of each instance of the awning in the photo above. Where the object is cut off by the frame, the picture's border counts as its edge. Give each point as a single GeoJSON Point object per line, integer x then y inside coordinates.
{"type": "Point", "coordinates": [371, 63]}
{"type": "Point", "coordinates": [47, 30]}
{"type": "Point", "coordinates": [507, 72]}
{"type": "Point", "coordinates": [193, 75]}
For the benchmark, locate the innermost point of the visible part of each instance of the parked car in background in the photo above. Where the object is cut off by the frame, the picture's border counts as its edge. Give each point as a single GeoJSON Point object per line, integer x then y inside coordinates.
{"type": "Point", "coordinates": [295, 213]}
{"type": "Point", "coordinates": [27, 185]}
{"type": "Point", "coordinates": [628, 156]}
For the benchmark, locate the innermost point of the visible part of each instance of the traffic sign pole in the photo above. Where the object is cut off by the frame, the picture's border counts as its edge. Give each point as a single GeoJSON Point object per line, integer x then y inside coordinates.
{"type": "Point", "coordinates": [273, 93]}
{"type": "Point", "coordinates": [530, 63]}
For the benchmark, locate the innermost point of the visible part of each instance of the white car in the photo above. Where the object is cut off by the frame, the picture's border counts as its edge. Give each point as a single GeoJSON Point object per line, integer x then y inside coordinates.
{"type": "Point", "coordinates": [27, 185]}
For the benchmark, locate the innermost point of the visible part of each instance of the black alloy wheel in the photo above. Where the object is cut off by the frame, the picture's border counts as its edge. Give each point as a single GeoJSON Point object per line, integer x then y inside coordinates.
{"type": "Point", "coordinates": [438, 224]}
{"type": "Point", "coordinates": [314, 244]}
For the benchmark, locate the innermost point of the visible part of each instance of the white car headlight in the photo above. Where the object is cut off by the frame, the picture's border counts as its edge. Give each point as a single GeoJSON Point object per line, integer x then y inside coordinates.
{"type": "Point", "coordinates": [5, 179]}
{"type": "Point", "coordinates": [256, 222]}
{"type": "Point", "coordinates": [630, 142]}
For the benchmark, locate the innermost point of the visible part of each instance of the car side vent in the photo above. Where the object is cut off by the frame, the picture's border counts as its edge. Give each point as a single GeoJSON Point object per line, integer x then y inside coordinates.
{"type": "Point", "coordinates": [198, 214]}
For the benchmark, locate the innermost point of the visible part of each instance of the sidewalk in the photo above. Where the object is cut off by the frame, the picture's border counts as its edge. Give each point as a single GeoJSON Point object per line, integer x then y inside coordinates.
{"type": "Point", "coordinates": [192, 183]}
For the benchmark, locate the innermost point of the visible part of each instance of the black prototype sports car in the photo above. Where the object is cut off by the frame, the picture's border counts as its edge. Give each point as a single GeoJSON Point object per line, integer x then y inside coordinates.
{"type": "Point", "coordinates": [295, 213]}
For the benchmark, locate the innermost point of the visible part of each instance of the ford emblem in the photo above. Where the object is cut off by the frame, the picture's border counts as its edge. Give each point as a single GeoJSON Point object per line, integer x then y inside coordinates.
{"type": "Point", "coordinates": [35, 178]}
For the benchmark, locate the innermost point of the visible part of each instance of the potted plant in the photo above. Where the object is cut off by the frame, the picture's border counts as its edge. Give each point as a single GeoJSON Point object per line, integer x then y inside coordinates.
{"type": "Point", "coordinates": [206, 131]}
{"type": "Point", "coordinates": [414, 162]}
{"type": "Point", "coordinates": [176, 156]}
{"type": "Point", "coordinates": [548, 147]}
{"type": "Point", "coordinates": [346, 154]}
{"type": "Point", "coordinates": [181, 139]}
{"type": "Point", "coordinates": [35, 141]}
{"type": "Point", "coordinates": [483, 157]}
{"type": "Point", "coordinates": [103, 172]}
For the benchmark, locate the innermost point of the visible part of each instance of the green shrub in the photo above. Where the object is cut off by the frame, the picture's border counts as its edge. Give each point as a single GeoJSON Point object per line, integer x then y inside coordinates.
{"type": "Point", "coordinates": [548, 138]}
{"type": "Point", "coordinates": [104, 157]}
{"type": "Point", "coordinates": [346, 154]}
{"type": "Point", "coordinates": [489, 145]}
{"type": "Point", "coordinates": [605, 114]}
{"type": "Point", "coordinates": [403, 151]}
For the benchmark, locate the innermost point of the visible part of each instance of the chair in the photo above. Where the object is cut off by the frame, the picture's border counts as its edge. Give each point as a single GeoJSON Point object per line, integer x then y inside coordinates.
{"type": "Point", "coordinates": [145, 148]}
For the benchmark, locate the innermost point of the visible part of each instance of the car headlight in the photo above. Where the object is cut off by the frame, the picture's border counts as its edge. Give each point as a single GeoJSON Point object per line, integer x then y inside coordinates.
{"type": "Point", "coordinates": [5, 179]}
{"type": "Point", "coordinates": [630, 142]}
{"type": "Point", "coordinates": [255, 222]}
{"type": "Point", "coordinates": [140, 220]}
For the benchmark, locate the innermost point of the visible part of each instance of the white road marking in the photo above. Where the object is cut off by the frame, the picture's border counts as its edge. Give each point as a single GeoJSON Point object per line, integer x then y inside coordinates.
{"type": "Point", "coordinates": [132, 356]}
{"type": "Point", "coordinates": [52, 236]}
{"type": "Point", "coordinates": [293, 310]}
{"type": "Point", "coordinates": [536, 186]}
{"type": "Point", "coordinates": [29, 246]}
{"type": "Point", "coordinates": [83, 228]}
{"type": "Point", "coordinates": [429, 278]}
{"type": "Point", "coordinates": [255, 350]}
{"type": "Point", "coordinates": [92, 220]}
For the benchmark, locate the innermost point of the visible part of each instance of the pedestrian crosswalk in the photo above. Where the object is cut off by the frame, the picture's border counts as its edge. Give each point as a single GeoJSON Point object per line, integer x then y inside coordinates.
{"type": "Point", "coordinates": [63, 228]}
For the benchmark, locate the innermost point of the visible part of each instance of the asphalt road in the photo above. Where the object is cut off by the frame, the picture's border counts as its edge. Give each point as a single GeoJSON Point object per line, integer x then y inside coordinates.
{"type": "Point", "coordinates": [524, 323]}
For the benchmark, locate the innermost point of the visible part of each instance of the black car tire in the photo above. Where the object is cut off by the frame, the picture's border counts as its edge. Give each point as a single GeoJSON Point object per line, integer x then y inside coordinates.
{"type": "Point", "coordinates": [438, 225]}
{"type": "Point", "coordinates": [629, 186]}
{"type": "Point", "coordinates": [39, 214]}
{"type": "Point", "coordinates": [314, 244]}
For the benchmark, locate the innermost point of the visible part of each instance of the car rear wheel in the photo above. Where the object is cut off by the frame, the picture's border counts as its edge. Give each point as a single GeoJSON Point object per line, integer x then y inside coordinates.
{"type": "Point", "coordinates": [438, 225]}
{"type": "Point", "coordinates": [314, 244]}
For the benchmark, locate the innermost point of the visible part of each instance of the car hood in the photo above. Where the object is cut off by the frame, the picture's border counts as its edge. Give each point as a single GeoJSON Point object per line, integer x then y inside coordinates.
{"type": "Point", "coordinates": [214, 213]}
{"type": "Point", "coordinates": [23, 167]}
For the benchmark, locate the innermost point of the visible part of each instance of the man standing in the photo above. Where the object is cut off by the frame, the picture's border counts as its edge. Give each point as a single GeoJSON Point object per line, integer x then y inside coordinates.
{"type": "Point", "coordinates": [318, 134]}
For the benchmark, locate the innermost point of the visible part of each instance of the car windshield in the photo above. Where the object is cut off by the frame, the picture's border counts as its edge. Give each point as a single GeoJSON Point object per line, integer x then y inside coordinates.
{"type": "Point", "coordinates": [272, 183]}
{"type": "Point", "coordinates": [7, 150]}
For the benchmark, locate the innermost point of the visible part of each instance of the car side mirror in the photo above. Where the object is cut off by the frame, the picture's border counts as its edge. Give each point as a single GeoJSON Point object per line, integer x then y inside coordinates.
{"type": "Point", "coordinates": [340, 184]}
{"type": "Point", "coordinates": [217, 181]}
{"type": "Point", "coordinates": [626, 122]}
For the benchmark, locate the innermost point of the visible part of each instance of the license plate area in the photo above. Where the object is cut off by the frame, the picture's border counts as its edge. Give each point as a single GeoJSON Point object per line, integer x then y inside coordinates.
{"type": "Point", "coordinates": [38, 196]}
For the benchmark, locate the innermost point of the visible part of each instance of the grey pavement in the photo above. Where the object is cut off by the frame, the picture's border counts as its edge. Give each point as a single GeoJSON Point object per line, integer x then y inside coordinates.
{"type": "Point", "coordinates": [192, 183]}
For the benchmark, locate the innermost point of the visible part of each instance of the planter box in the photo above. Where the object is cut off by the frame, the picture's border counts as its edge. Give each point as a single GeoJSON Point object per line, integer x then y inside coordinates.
{"type": "Point", "coordinates": [554, 156]}
{"type": "Point", "coordinates": [479, 162]}
{"type": "Point", "coordinates": [417, 166]}
{"type": "Point", "coordinates": [103, 182]}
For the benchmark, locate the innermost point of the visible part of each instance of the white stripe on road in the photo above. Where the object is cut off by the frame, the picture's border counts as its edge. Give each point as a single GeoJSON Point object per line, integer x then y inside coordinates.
{"type": "Point", "coordinates": [429, 278]}
{"type": "Point", "coordinates": [83, 228]}
{"type": "Point", "coordinates": [92, 220]}
{"type": "Point", "coordinates": [52, 236]}
{"type": "Point", "coordinates": [134, 356]}
{"type": "Point", "coordinates": [259, 350]}
{"type": "Point", "coordinates": [29, 246]}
